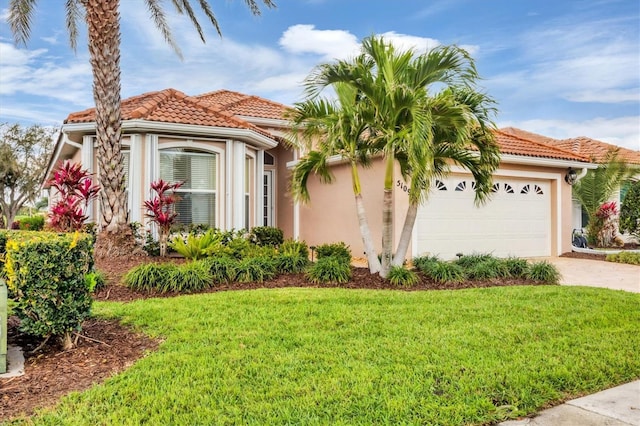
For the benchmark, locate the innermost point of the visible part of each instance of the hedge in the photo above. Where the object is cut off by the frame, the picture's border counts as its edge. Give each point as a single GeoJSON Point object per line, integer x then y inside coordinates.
{"type": "Point", "coordinates": [46, 277]}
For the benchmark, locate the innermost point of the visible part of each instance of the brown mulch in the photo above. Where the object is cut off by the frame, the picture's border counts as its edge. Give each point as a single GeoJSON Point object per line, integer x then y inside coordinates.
{"type": "Point", "coordinates": [108, 347]}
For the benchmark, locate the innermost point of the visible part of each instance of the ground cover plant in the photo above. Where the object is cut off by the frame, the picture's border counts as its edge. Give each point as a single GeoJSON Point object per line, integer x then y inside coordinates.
{"type": "Point", "coordinates": [632, 258]}
{"type": "Point", "coordinates": [336, 356]}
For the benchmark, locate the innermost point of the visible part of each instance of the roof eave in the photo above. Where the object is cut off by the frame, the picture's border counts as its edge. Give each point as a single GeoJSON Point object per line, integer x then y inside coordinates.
{"type": "Point", "coordinates": [255, 138]}
{"type": "Point", "coordinates": [265, 122]}
{"type": "Point", "coordinates": [545, 162]}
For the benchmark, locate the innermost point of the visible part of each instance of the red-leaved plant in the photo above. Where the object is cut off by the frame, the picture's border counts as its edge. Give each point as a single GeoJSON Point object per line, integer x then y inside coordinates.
{"type": "Point", "coordinates": [75, 190]}
{"type": "Point", "coordinates": [605, 226]}
{"type": "Point", "coordinates": [160, 209]}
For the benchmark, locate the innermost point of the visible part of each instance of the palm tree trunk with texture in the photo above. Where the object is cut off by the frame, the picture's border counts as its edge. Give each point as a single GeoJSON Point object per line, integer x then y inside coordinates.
{"type": "Point", "coordinates": [365, 231]}
{"type": "Point", "coordinates": [405, 236]}
{"type": "Point", "coordinates": [103, 22]}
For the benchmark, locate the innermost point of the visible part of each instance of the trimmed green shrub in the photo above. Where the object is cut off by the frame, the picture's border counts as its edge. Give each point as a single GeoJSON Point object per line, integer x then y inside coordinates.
{"type": "Point", "coordinates": [46, 278]}
{"type": "Point", "coordinates": [338, 250]}
{"type": "Point", "coordinates": [400, 276]}
{"type": "Point", "coordinates": [291, 263]}
{"type": "Point", "coordinates": [266, 236]}
{"type": "Point", "coordinates": [238, 247]}
{"type": "Point", "coordinates": [632, 258]}
{"type": "Point", "coordinates": [630, 210]}
{"type": "Point", "coordinates": [190, 277]}
{"type": "Point", "coordinates": [31, 223]}
{"type": "Point", "coordinates": [291, 247]}
{"type": "Point", "coordinates": [255, 269]}
{"type": "Point", "coordinates": [488, 269]}
{"type": "Point", "coordinates": [517, 267]}
{"type": "Point", "coordinates": [444, 272]}
{"type": "Point", "coordinates": [222, 269]}
{"type": "Point", "coordinates": [331, 269]}
{"type": "Point", "coordinates": [150, 277]}
{"type": "Point", "coordinates": [544, 272]}
{"type": "Point", "coordinates": [470, 260]}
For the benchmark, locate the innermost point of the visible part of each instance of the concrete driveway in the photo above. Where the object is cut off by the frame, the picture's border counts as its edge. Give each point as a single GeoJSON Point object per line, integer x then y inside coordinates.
{"type": "Point", "coordinates": [596, 273]}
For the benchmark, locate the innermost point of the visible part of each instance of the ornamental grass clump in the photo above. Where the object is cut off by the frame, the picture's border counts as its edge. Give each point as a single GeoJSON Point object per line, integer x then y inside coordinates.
{"type": "Point", "coordinates": [255, 269]}
{"type": "Point", "coordinates": [517, 267]}
{"type": "Point", "coordinates": [294, 247]}
{"type": "Point", "coordinates": [470, 260]}
{"type": "Point", "coordinates": [291, 263]}
{"type": "Point", "coordinates": [624, 257]}
{"type": "Point", "coordinates": [488, 269]}
{"type": "Point", "coordinates": [222, 269]}
{"type": "Point", "coordinates": [444, 272]}
{"type": "Point", "coordinates": [544, 272]}
{"type": "Point", "coordinates": [421, 262]}
{"type": "Point", "coordinates": [400, 276]}
{"type": "Point", "coordinates": [337, 250]}
{"type": "Point", "coordinates": [329, 270]}
{"type": "Point", "coordinates": [150, 277]}
{"type": "Point", "coordinates": [190, 277]}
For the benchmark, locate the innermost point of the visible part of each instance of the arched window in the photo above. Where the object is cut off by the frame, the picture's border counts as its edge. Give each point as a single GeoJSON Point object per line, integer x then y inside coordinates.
{"type": "Point", "coordinates": [198, 194]}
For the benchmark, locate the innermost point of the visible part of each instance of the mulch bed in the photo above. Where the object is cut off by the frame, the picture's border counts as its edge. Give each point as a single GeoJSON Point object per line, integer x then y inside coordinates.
{"type": "Point", "coordinates": [108, 347]}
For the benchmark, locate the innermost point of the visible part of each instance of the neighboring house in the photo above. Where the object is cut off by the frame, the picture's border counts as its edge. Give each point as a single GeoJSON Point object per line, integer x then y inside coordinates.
{"type": "Point", "coordinates": [230, 150]}
{"type": "Point", "coordinates": [593, 149]}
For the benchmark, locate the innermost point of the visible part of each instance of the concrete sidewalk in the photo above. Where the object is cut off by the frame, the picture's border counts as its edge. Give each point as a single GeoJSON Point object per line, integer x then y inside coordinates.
{"type": "Point", "coordinates": [619, 406]}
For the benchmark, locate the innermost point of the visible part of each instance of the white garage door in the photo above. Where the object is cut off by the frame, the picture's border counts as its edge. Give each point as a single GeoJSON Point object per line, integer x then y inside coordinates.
{"type": "Point", "coordinates": [515, 222]}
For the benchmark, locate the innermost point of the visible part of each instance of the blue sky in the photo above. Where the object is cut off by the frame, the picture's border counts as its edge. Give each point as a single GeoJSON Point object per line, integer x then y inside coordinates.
{"type": "Point", "coordinates": [560, 68]}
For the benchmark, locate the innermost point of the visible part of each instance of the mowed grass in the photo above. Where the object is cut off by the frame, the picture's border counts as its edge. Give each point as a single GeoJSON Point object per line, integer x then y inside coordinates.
{"type": "Point", "coordinates": [336, 356]}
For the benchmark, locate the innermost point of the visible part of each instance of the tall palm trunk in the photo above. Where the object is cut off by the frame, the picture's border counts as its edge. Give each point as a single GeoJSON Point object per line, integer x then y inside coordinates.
{"type": "Point", "coordinates": [387, 217]}
{"type": "Point", "coordinates": [365, 232]}
{"type": "Point", "coordinates": [405, 236]}
{"type": "Point", "coordinates": [103, 22]}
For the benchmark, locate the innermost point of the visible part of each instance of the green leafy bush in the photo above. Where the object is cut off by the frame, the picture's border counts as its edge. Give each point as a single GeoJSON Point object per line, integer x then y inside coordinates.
{"type": "Point", "coordinates": [291, 263]}
{"type": "Point", "coordinates": [329, 269]}
{"type": "Point", "coordinates": [31, 223]}
{"type": "Point", "coordinates": [488, 269]}
{"type": "Point", "coordinates": [632, 258]}
{"type": "Point", "coordinates": [95, 281]}
{"type": "Point", "coordinates": [255, 269]}
{"type": "Point", "coordinates": [291, 247]}
{"type": "Point", "coordinates": [46, 277]}
{"type": "Point", "coordinates": [222, 269]}
{"type": "Point", "coordinates": [238, 247]}
{"type": "Point", "coordinates": [266, 236]}
{"type": "Point", "coordinates": [150, 277]}
{"type": "Point", "coordinates": [190, 277]}
{"type": "Point", "coordinates": [630, 210]}
{"type": "Point", "coordinates": [338, 250]}
{"type": "Point", "coordinates": [444, 272]}
{"type": "Point", "coordinates": [470, 260]}
{"type": "Point", "coordinates": [197, 246]}
{"type": "Point", "coordinates": [400, 276]}
{"type": "Point", "coordinates": [544, 272]}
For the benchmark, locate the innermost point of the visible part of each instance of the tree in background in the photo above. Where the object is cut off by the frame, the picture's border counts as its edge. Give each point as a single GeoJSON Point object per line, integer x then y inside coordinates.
{"type": "Point", "coordinates": [103, 23]}
{"type": "Point", "coordinates": [597, 186]}
{"type": "Point", "coordinates": [630, 211]}
{"type": "Point", "coordinates": [24, 156]}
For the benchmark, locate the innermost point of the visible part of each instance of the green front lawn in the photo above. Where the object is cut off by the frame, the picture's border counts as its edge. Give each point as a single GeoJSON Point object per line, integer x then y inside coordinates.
{"type": "Point", "coordinates": [336, 356]}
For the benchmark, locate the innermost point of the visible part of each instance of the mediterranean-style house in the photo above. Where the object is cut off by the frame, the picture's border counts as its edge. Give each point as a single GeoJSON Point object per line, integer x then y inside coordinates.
{"type": "Point", "coordinates": [231, 151]}
{"type": "Point", "coordinates": [596, 151]}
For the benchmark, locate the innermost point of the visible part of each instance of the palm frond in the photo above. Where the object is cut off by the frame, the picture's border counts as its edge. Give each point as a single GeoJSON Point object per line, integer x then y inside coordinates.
{"type": "Point", "coordinates": [19, 19]}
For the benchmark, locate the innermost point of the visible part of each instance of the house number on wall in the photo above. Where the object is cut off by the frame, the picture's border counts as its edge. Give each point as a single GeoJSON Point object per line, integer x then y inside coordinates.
{"type": "Point", "coordinates": [403, 186]}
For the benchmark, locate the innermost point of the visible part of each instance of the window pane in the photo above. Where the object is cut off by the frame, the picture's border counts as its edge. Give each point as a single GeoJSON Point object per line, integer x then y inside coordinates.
{"type": "Point", "coordinates": [197, 170]}
{"type": "Point", "coordinates": [196, 209]}
{"type": "Point", "coordinates": [125, 166]}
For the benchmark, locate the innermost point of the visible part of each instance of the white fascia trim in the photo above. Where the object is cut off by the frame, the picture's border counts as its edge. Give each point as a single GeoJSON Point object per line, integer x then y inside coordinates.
{"type": "Point", "coordinates": [545, 162]}
{"type": "Point", "coordinates": [156, 126]}
{"type": "Point", "coordinates": [334, 159]}
{"type": "Point", "coordinates": [261, 121]}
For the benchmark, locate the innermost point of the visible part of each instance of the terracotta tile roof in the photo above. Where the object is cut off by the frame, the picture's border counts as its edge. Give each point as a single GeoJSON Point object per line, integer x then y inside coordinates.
{"type": "Point", "coordinates": [172, 106]}
{"type": "Point", "coordinates": [515, 145]}
{"type": "Point", "coordinates": [591, 148]}
{"type": "Point", "coordinates": [246, 105]}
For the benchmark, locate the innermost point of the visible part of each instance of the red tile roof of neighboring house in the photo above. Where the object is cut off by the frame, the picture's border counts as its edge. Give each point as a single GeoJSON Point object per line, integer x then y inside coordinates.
{"type": "Point", "coordinates": [516, 145]}
{"type": "Point", "coordinates": [587, 147]}
{"type": "Point", "coordinates": [171, 106]}
{"type": "Point", "coordinates": [240, 104]}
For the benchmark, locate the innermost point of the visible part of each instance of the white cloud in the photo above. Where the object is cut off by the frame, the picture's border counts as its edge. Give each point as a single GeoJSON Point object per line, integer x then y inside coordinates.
{"type": "Point", "coordinates": [329, 44]}
{"type": "Point", "coordinates": [621, 131]}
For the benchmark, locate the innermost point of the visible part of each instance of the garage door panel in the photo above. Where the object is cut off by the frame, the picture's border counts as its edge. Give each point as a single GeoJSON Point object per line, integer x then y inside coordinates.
{"type": "Point", "coordinates": [516, 221]}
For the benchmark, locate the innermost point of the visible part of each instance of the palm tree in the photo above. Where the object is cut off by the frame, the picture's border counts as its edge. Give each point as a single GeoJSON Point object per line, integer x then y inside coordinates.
{"type": "Point", "coordinates": [405, 117]}
{"type": "Point", "coordinates": [462, 134]}
{"type": "Point", "coordinates": [598, 185]}
{"type": "Point", "coordinates": [324, 129]}
{"type": "Point", "coordinates": [103, 24]}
